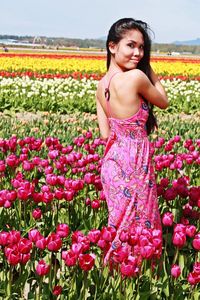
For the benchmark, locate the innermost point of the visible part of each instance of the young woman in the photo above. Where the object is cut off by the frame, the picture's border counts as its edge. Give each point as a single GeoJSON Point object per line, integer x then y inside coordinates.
{"type": "Point", "coordinates": [125, 97]}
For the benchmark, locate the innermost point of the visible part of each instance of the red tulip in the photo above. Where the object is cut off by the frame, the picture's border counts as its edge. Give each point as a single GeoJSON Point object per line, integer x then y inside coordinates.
{"type": "Point", "coordinates": [13, 256]}
{"type": "Point", "coordinates": [24, 258]}
{"type": "Point", "coordinates": [170, 194]}
{"type": "Point", "coordinates": [190, 230]}
{"type": "Point", "coordinates": [164, 182]}
{"type": "Point", "coordinates": [95, 204]}
{"type": "Point", "coordinates": [2, 166]}
{"type": "Point", "coordinates": [86, 261]}
{"type": "Point", "coordinates": [12, 160]}
{"type": "Point", "coordinates": [57, 290]}
{"type": "Point", "coordinates": [24, 246]}
{"type": "Point", "coordinates": [193, 278]}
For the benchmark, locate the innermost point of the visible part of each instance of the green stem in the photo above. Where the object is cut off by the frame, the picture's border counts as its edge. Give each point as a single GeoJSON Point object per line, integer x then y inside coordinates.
{"type": "Point", "coordinates": [175, 256]}
{"type": "Point", "coordinates": [20, 214]}
{"type": "Point", "coordinates": [85, 285]}
{"type": "Point", "coordinates": [9, 287]}
{"type": "Point", "coordinates": [39, 289]}
{"type": "Point", "coordinates": [50, 273]}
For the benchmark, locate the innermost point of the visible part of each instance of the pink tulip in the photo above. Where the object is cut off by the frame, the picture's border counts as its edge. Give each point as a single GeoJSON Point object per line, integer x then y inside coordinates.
{"type": "Point", "coordinates": [196, 242]}
{"type": "Point", "coordinates": [4, 238]}
{"type": "Point", "coordinates": [12, 160]}
{"type": "Point", "coordinates": [108, 233]}
{"type": "Point", "coordinates": [102, 244]}
{"type": "Point", "coordinates": [94, 235]}
{"type": "Point", "coordinates": [37, 214]}
{"type": "Point", "coordinates": [42, 268]}
{"type": "Point", "coordinates": [34, 235]}
{"type": "Point", "coordinates": [14, 237]}
{"type": "Point", "coordinates": [88, 201]}
{"type": "Point", "coordinates": [95, 204]}
{"type": "Point", "coordinates": [147, 251]}
{"type": "Point", "coordinates": [179, 239]}
{"type": "Point", "coordinates": [54, 242]}
{"type": "Point", "coordinates": [168, 219]}
{"type": "Point", "coordinates": [51, 179]}
{"type": "Point", "coordinates": [27, 165]}
{"type": "Point", "coordinates": [120, 254]}
{"type": "Point", "coordinates": [89, 178]}
{"type": "Point", "coordinates": [128, 269]}
{"type": "Point", "coordinates": [70, 258]}
{"type": "Point", "coordinates": [62, 230]}
{"type": "Point", "coordinates": [41, 243]}
{"type": "Point", "coordinates": [175, 271]}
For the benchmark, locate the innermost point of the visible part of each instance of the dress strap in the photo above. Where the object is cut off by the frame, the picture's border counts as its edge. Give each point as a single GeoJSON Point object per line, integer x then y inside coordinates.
{"type": "Point", "coordinates": [107, 92]}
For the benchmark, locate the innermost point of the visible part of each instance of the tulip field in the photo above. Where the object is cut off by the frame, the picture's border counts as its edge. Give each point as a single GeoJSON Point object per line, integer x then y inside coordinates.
{"type": "Point", "coordinates": [53, 213]}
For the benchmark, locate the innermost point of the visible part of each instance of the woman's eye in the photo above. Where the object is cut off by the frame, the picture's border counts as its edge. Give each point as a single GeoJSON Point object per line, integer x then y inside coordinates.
{"type": "Point", "coordinates": [131, 45]}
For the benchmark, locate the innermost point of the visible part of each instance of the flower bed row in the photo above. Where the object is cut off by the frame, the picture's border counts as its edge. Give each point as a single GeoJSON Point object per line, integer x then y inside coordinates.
{"type": "Point", "coordinates": [53, 215]}
{"type": "Point", "coordinates": [68, 94]}
{"type": "Point", "coordinates": [70, 64]}
{"type": "Point", "coordinates": [47, 55]}
{"type": "Point", "coordinates": [81, 75]}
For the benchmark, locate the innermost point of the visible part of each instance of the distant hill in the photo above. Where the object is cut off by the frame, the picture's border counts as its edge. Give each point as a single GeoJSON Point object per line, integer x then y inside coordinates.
{"type": "Point", "coordinates": [102, 38]}
{"type": "Point", "coordinates": [190, 43]}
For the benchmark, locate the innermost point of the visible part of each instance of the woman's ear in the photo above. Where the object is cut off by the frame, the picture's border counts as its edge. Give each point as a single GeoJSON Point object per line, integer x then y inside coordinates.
{"type": "Point", "coordinates": [112, 47]}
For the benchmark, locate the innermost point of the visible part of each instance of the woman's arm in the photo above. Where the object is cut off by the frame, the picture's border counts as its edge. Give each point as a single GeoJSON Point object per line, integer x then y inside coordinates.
{"type": "Point", "coordinates": [102, 120]}
{"type": "Point", "coordinates": [152, 92]}
{"type": "Point", "coordinates": [156, 82]}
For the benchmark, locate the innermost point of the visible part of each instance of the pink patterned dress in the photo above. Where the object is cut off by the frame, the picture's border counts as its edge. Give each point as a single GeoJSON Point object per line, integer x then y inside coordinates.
{"type": "Point", "coordinates": [127, 174]}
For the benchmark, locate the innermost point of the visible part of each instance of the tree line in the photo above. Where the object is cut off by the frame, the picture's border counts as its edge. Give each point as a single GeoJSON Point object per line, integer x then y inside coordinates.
{"type": "Point", "coordinates": [61, 42]}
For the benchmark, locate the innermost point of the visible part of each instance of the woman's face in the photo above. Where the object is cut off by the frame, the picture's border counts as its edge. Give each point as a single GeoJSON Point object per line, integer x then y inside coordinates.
{"type": "Point", "coordinates": [129, 51]}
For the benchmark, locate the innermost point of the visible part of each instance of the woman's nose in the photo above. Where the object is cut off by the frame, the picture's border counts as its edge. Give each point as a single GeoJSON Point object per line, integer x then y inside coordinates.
{"type": "Point", "coordinates": [136, 51]}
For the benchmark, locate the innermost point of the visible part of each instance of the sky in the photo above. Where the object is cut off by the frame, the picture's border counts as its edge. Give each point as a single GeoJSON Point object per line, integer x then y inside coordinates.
{"type": "Point", "coordinates": [170, 20]}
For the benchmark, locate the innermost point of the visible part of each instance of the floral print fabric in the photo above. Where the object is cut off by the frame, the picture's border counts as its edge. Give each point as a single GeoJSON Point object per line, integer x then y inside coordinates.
{"type": "Point", "coordinates": [127, 176]}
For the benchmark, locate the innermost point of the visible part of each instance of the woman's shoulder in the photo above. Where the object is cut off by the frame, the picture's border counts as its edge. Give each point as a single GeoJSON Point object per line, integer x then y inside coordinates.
{"type": "Point", "coordinates": [136, 74]}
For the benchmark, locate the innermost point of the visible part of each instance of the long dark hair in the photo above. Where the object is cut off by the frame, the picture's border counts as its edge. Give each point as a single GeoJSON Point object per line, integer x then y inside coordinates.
{"type": "Point", "coordinates": [115, 34]}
